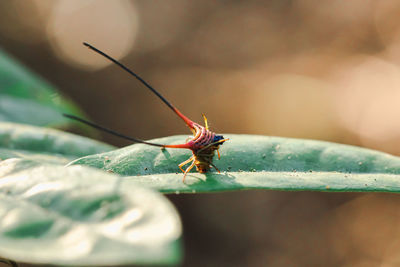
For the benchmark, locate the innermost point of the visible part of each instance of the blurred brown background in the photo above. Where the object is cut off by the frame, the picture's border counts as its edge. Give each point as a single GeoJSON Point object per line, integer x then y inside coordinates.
{"type": "Point", "coordinates": [327, 70]}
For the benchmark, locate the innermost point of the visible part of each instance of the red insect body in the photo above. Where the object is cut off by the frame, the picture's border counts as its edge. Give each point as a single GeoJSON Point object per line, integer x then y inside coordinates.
{"type": "Point", "coordinates": [203, 144]}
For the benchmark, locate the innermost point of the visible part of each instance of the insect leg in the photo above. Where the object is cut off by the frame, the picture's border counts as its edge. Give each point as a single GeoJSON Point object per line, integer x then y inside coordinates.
{"type": "Point", "coordinates": [215, 167]}
{"type": "Point", "coordinates": [219, 155]}
{"type": "Point", "coordinates": [188, 170]}
{"type": "Point", "coordinates": [185, 162]}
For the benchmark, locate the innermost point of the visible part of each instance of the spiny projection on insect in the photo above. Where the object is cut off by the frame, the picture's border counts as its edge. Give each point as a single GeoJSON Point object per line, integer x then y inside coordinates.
{"type": "Point", "coordinates": [203, 144]}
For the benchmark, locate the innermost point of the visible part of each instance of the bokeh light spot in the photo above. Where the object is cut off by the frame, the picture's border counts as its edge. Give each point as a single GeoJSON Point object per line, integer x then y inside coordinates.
{"type": "Point", "coordinates": [95, 22]}
{"type": "Point", "coordinates": [367, 99]}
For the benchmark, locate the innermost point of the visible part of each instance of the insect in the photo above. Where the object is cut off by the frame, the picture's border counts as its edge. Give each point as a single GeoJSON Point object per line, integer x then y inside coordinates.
{"type": "Point", "coordinates": [203, 144]}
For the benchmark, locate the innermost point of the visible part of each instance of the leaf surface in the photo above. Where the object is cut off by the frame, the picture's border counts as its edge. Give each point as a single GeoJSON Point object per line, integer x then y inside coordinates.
{"type": "Point", "coordinates": [81, 216]}
{"type": "Point", "coordinates": [27, 98]}
{"type": "Point", "coordinates": [45, 144]}
{"type": "Point", "coordinates": [257, 162]}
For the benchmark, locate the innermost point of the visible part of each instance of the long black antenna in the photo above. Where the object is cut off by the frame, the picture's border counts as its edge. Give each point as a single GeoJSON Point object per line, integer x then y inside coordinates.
{"type": "Point", "coordinates": [174, 109]}
{"type": "Point", "coordinates": [132, 73]}
{"type": "Point", "coordinates": [72, 117]}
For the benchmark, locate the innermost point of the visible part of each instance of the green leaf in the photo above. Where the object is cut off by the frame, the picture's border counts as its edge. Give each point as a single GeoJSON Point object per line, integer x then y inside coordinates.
{"type": "Point", "coordinates": [44, 144]}
{"type": "Point", "coordinates": [81, 216]}
{"type": "Point", "coordinates": [26, 98]}
{"type": "Point", "coordinates": [256, 162]}
{"type": "Point", "coordinates": [34, 156]}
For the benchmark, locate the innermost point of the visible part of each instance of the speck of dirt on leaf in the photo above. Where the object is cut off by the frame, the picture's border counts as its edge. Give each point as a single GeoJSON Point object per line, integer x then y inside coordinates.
{"type": "Point", "coordinates": [327, 187]}
{"type": "Point", "coordinates": [360, 163]}
{"type": "Point", "coordinates": [289, 157]}
{"type": "Point", "coordinates": [310, 170]}
{"type": "Point", "coordinates": [277, 147]}
{"type": "Point", "coordinates": [145, 168]}
{"type": "Point", "coordinates": [264, 156]}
